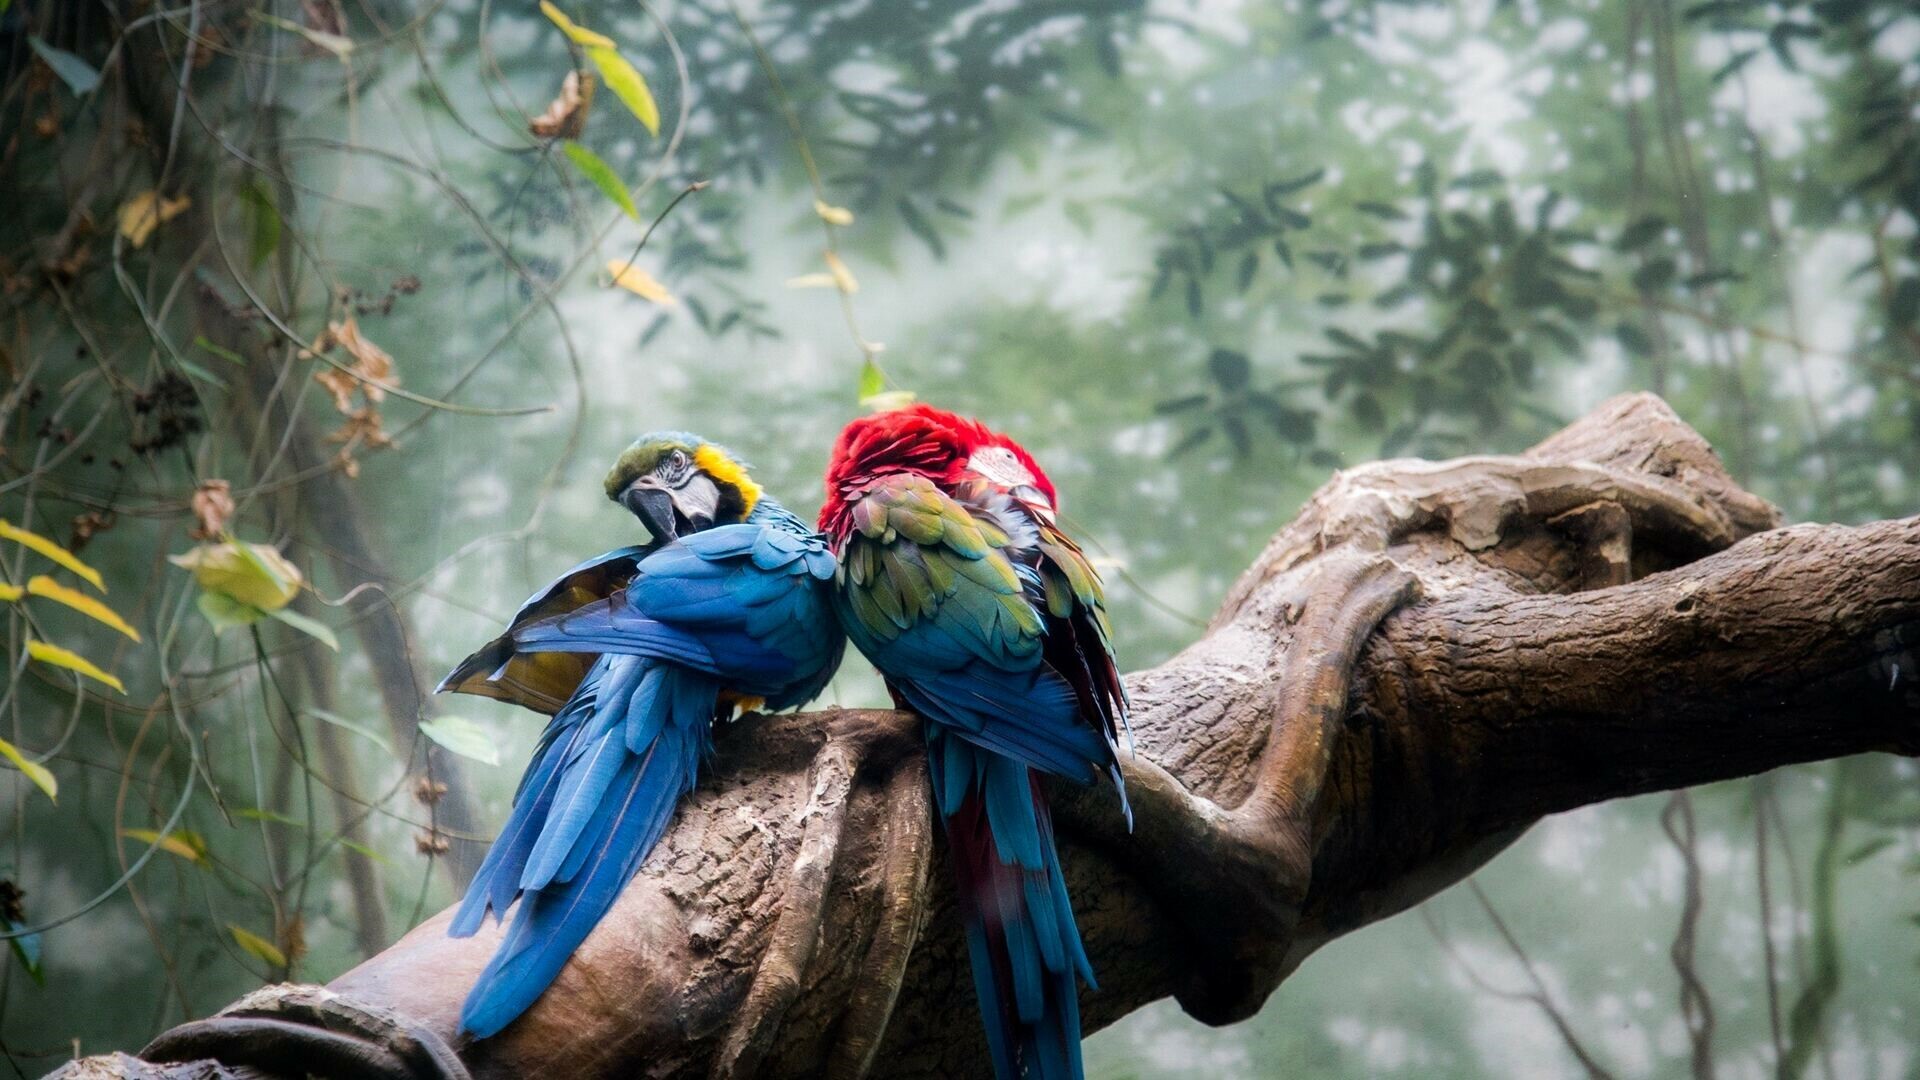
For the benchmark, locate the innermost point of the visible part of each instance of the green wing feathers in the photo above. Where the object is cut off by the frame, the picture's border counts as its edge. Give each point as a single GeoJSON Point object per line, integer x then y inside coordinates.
{"type": "Point", "coordinates": [918, 555]}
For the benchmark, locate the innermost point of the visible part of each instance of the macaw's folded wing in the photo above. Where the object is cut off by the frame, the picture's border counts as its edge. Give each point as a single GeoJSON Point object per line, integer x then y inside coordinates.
{"type": "Point", "coordinates": [544, 681]}
{"type": "Point", "coordinates": [934, 596]}
{"type": "Point", "coordinates": [745, 603]}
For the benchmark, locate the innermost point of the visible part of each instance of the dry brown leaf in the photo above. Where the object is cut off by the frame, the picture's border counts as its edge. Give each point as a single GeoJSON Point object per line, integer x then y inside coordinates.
{"type": "Point", "coordinates": [86, 526]}
{"type": "Point", "coordinates": [370, 361]}
{"type": "Point", "coordinates": [293, 940]}
{"type": "Point", "coordinates": [371, 364]}
{"type": "Point", "coordinates": [362, 429]}
{"type": "Point", "coordinates": [147, 211]}
{"type": "Point", "coordinates": [212, 504]}
{"type": "Point", "coordinates": [566, 117]}
{"type": "Point", "coordinates": [340, 384]}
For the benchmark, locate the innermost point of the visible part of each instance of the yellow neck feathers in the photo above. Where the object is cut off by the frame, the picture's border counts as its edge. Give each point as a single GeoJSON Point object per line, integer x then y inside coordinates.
{"type": "Point", "coordinates": [724, 469]}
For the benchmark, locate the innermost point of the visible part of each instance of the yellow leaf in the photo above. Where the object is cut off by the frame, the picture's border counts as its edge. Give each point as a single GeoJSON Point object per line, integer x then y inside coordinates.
{"type": "Point", "coordinates": [640, 283]}
{"type": "Point", "coordinates": [34, 771]}
{"type": "Point", "coordinates": [843, 278]}
{"type": "Point", "coordinates": [258, 946]}
{"type": "Point", "coordinates": [887, 400]}
{"type": "Point", "coordinates": [43, 586]}
{"type": "Point", "coordinates": [36, 542]}
{"type": "Point", "coordinates": [811, 281]}
{"type": "Point", "coordinates": [833, 215]}
{"type": "Point", "coordinates": [147, 211]}
{"type": "Point", "coordinates": [72, 661]}
{"type": "Point", "coordinates": [10, 593]}
{"type": "Point", "coordinates": [580, 34]}
{"type": "Point", "coordinates": [626, 84]}
{"type": "Point", "coordinates": [253, 574]}
{"type": "Point", "coordinates": [182, 842]}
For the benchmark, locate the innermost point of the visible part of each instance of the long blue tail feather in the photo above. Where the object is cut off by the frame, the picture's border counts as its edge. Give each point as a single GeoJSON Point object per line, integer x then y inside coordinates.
{"type": "Point", "coordinates": [597, 798]}
{"type": "Point", "coordinates": [1022, 940]}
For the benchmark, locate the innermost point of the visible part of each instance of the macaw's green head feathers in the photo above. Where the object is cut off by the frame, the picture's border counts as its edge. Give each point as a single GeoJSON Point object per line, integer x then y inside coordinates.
{"type": "Point", "coordinates": [678, 483]}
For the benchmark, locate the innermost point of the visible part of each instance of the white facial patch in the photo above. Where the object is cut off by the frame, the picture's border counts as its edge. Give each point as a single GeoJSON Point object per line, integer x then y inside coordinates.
{"type": "Point", "coordinates": [997, 463]}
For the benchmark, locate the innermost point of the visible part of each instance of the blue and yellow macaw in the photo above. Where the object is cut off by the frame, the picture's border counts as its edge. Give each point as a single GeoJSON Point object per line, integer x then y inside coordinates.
{"type": "Point", "coordinates": [987, 621]}
{"type": "Point", "coordinates": [635, 654]}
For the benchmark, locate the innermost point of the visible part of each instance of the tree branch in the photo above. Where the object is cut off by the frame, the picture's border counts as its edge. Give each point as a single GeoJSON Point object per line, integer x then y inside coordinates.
{"type": "Point", "coordinates": [1430, 658]}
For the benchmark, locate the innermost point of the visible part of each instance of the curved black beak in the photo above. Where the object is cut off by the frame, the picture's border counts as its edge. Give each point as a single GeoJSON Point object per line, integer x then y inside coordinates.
{"type": "Point", "coordinates": [654, 508]}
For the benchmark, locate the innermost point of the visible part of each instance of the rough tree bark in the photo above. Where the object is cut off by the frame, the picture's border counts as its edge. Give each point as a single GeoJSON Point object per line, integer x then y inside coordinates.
{"type": "Point", "coordinates": [1429, 659]}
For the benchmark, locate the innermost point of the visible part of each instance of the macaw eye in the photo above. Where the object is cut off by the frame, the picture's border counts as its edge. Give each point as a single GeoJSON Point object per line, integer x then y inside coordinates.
{"type": "Point", "coordinates": [679, 460]}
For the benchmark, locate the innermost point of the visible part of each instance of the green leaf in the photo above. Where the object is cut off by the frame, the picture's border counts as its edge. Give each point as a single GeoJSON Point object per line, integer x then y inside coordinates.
{"type": "Point", "coordinates": [220, 351]}
{"type": "Point", "coordinates": [1479, 178]}
{"type": "Point", "coordinates": [313, 628]}
{"type": "Point", "coordinates": [1634, 339]}
{"type": "Point", "coordinates": [1383, 211]}
{"type": "Point", "coordinates": [620, 77]}
{"type": "Point", "coordinates": [918, 225]}
{"type": "Point", "coordinates": [1655, 276]}
{"type": "Point", "coordinates": [872, 380]}
{"type": "Point", "coordinates": [36, 772]}
{"type": "Point", "coordinates": [225, 613]}
{"type": "Point", "coordinates": [359, 848]}
{"type": "Point", "coordinates": [1868, 850]}
{"type": "Point", "coordinates": [1249, 265]}
{"type": "Point", "coordinates": [201, 373]}
{"type": "Point", "coordinates": [463, 737]}
{"type": "Point", "coordinates": [1230, 370]}
{"type": "Point", "coordinates": [603, 177]}
{"type": "Point", "coordinates": [263, 221]}
{"type": "Point", "coordinates": [27, 946]}
{"type": "Point", "coordinates": [1641, 233]}
{"type": "Point", "coordinates": [1298, 183]}
{"type": "Point", "coordinates": [79, 75]}
{"type": "Point", "coordinates": [1367, 410]}
{"type": "Point", "coordinates": [1193, 440]}
{"type": "Point", "coordinates": [1905, 305]}
{"type": "Point", "coordinates": [354, 726]}
{"type": "Point", "coordinates": [258, 946]}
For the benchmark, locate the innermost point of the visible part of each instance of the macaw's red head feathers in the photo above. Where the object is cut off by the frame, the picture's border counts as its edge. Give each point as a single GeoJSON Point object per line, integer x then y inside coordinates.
{"type": "Point", "coordinates": [925, 441]}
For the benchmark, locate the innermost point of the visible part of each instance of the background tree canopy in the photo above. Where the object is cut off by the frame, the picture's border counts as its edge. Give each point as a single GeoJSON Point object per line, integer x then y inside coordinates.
{"type": "Point", "coordinates": [333, 279]}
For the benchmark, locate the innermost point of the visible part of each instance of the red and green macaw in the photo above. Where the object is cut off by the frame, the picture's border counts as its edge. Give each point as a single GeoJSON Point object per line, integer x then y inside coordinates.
{"type": "Point", "coordinates": [957, 583]}
{"type": "Point", "coordinates": [635, 654]}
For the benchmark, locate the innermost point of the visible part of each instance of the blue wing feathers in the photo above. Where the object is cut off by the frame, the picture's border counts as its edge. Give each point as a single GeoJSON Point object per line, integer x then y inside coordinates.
{"type": "Point", "coordinates": [741, 608]}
